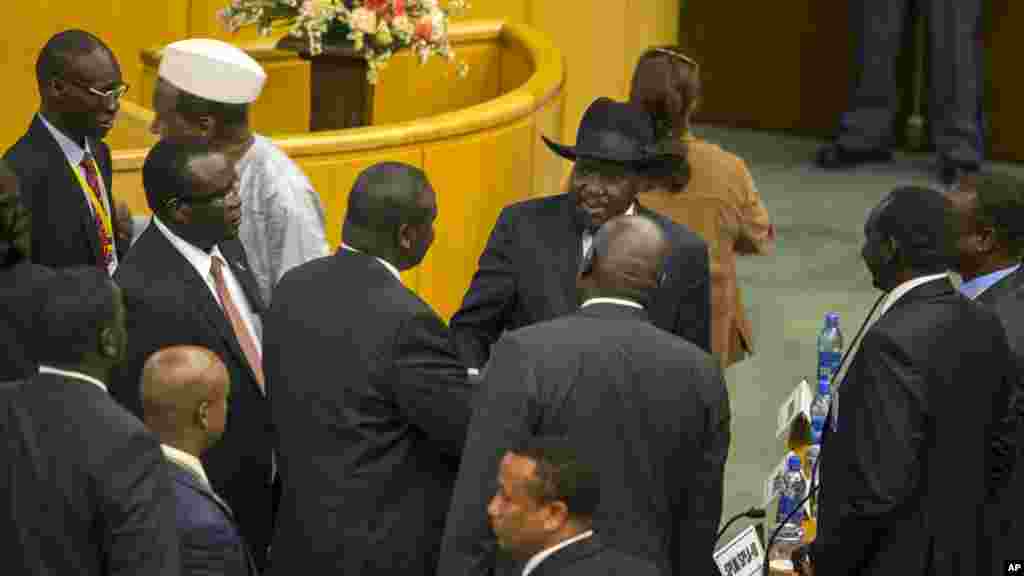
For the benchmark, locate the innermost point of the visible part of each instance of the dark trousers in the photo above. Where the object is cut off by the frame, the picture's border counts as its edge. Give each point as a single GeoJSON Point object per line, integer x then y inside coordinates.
{"type": "Point", "coordinates": [955, 87]}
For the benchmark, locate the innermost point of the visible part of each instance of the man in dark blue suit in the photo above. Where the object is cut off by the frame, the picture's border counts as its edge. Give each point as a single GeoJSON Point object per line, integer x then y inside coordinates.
{"type": "Point", "coordinates": [185, 397]}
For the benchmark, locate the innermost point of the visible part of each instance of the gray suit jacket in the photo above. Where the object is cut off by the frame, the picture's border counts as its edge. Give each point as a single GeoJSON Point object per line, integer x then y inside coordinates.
{"type": "Point", "coordinates": [591, 557]}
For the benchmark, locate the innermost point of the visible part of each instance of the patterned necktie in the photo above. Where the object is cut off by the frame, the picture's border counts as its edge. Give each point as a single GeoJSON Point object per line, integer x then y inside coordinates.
{"type": "Point", "coordinates": [245, 339]}
{"type": "Point", "coordinates": [103, 231]}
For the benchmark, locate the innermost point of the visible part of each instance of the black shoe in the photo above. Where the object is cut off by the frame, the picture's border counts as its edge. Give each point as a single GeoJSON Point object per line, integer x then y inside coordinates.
{"type": "Point", "coordinates": [950, 171]}
{"type": "Point", "coordinates": [835, 157]}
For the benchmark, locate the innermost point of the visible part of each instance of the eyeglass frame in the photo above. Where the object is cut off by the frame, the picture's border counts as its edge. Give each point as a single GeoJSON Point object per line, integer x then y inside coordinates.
{"type": "Point", "coordinates": [115, 93]}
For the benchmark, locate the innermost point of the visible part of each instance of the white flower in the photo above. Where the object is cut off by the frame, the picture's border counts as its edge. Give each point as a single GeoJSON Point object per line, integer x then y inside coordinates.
{"type": "Point", "coordinates": [363, 20]}
{"type": "Point", "coordinates": [403, 25]}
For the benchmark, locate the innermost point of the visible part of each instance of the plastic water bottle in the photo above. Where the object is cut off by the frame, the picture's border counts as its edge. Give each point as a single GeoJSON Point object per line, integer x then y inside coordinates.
{"type": "Point", "coordinates": [821, 403]}
{"type": "Point", "coordinates": [830, 347]}
{"type": "Point", "coordinates": [793, 488]}
{"type": "Point", "coordinates": [813, 451]}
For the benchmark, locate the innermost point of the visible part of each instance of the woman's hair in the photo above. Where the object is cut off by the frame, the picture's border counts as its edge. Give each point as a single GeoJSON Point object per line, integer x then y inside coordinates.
{"type": "Point", "coordinates": [666, 84]}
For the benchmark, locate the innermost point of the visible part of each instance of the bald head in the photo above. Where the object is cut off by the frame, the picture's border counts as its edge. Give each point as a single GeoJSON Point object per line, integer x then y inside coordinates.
{"type": "Point", "coordinates": [184, 392]}
{"type": "Point", "coordinates": [628, 256]}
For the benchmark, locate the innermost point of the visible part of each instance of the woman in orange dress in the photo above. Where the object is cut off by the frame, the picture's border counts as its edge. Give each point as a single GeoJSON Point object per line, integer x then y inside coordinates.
{"type": "Point", "coordinates": [717, 199]}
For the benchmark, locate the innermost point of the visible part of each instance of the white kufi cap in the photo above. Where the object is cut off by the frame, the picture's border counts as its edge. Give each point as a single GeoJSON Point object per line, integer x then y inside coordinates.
{"type": "Point", "coordinates": [213, 70]}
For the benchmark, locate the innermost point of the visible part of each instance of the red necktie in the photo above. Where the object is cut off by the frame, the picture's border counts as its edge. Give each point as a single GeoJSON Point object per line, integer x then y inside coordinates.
{"type": "Point", "coordinates": [245, 339]}
{"type": "Point", "coordinates": [105, 235]}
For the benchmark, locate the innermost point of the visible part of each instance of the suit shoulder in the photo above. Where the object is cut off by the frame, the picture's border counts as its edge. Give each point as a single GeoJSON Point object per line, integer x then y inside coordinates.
{"type": "Point", "coordinates": [623, 564]}
{"type": "Point", "coordinates": [534, 207]}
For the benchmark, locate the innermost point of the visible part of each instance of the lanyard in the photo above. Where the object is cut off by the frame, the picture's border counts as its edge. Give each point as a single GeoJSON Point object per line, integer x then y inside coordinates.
{"type": "Point", "coordinates": [97, 206]}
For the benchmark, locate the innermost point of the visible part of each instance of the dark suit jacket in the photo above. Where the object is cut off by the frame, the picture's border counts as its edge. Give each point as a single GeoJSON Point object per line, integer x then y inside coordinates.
{"type": "Point", "coordinates": [370, 405]}
{"type": "Point", "coordinates": [1006, 299]}
{"type": "Point", "coordinates": [85, 489]}
{"type": "Point", "coordinates": [18, 293]}
{"type": "Point", "coordinates": [906, 477]}
{"type": "Point", "coordinates": [591, 557]}
{"type": "Point", "coordinates": [648, 410]}
{"type": "Point", "coordinates": [210, 543]}
{"type": "Point", "coordinates": [63, 228]}
{"type": "Point", "coordinates": [168, 304]}
{"type": "Point", "coordinates": [527, 274]}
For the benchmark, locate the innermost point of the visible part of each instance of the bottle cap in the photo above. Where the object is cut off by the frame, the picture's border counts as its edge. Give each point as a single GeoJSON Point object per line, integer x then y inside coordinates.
{"type": "Point", "coordinates": [832, 319]}
{"type": "Point", "coordinates": [793, 464]}
{"type": "Point", "coordinates": [824, 387]}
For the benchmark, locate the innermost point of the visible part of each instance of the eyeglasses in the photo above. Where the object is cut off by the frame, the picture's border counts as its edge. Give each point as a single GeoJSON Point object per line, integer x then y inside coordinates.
{"type": "Point", "coordinates": [677, 55]}
{"type": "Point", "coordinates": [114, 93]}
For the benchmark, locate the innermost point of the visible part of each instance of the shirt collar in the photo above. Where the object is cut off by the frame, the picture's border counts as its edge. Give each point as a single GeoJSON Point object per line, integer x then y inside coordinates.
{"type": "Point", "coordinates": [973, 288]}
{"type": "Point", "coordinates": [201, 261]}
{"type": "Point", "coordinates": [391, 267]}
{"type": "Point", "coordinates": [72, 151]}
{"type": "Point", "coordinates": [43, 369]}
{"type": "Point", "coordinates": [901, 290]}
{"type": "Point", "coordinates": [543, 555]}
{"type": "Point", "coordinates": [616, 301]}
{"type": "Point", "coordinates": [187, 460]}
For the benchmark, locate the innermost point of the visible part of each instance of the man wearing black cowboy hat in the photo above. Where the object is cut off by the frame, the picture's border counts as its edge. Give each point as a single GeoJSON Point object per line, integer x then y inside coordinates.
{"type": "Point", "coordinates": [527, 273]}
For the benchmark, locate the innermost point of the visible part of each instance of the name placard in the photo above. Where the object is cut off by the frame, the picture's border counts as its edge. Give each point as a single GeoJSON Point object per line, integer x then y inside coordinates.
{"type": "Point", "coordinates": [797, 404]}
{"type": "Point", "coordinates": [742, 556]}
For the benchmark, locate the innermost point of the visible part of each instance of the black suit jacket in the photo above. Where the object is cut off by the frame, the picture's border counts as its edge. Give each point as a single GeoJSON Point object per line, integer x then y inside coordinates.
{"type": "Point", "coordinates": [528, 271]}
{"type": "Point", "coordinates": [1006, 299]}
{"type": "Point", "coordinates": [591, 557]}
{"type": "Point", "coordinates": [85, 489]}
{"type": "Point", "coordinates": [211, 544]}
{"type": "Point", "coordinates": [919, 448]}
{"type": "Point", "coordinates": [370, 405]}
{"type": "Point", "coordinates": [19, 290]}
{"type": "Point", "coordinates": [169, 304]}
{"type": "Point", "coordinates": [63, 228]}
{"type": "Point", "coordinates": [647, 409]}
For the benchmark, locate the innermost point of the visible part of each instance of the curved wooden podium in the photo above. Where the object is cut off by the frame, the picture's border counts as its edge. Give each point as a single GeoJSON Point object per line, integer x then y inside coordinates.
{"type": "Point", "coordinates": [479, 158]}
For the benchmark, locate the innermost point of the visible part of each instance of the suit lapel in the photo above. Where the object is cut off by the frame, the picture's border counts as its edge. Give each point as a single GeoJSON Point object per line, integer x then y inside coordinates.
{"type": "Point", "coordinates": [58, 185]}
{"type": "Point", "coordinates": [561, 560]}
{"type": "Point", "coordinates": [235, 255]}
{"type": "Point", "coordinates": [568, 244]}
{"type": "Point", "coordinates": [186, 476]}
{"type": "Point", "coordinates": [200, 296]}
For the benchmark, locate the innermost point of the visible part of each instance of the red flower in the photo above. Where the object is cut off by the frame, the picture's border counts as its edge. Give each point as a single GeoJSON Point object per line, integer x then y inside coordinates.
{"type": "Point", "coordinates": [376, 6]}
{"type": "Point", "coordinates": [424, 28]}
{"type": "Point", "coordinates": [399, 8]}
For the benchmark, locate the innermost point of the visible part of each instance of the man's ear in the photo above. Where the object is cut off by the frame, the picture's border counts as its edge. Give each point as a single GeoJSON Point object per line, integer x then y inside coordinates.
{"type": "Point", "coordinates": [110, 343]}
{"type": "Point", "coordinates": [203, 415]}
{"type": "Point", "coordinates": [557, 516]}
{"type": "Point", "coordinates": [890, 250]}
{"type": "Point", "coordinates": [406, 236]}
{"type": "Point", "coordinates": [987, 240]}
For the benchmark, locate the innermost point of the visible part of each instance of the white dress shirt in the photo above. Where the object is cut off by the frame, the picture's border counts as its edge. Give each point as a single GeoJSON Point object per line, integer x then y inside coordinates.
{"type": "Point", "coordinates": [186, 460]}
{"type": "Point", "coordinates": [43, 369]}
{"type": "Point", "coordinates": [391, 267]}
{"type": "Point", "coordinates": [588, 236]}
{"type": "Point", "coordinates": [75, 153]}
{"type": "Point", "coordinates": [542, 555]}
{"type": "Point", "coordinates": [202, 261]}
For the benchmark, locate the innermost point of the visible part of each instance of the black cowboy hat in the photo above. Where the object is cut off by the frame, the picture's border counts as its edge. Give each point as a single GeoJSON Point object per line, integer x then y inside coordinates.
{"type": "Point", "coordinates": [620, 133]}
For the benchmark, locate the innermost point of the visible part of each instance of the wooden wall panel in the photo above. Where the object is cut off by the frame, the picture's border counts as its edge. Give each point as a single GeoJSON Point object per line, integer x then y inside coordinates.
{"type": "Point", "coordinates": [465, 219]}
{"type": "Point", "coordinates": [407, 91]}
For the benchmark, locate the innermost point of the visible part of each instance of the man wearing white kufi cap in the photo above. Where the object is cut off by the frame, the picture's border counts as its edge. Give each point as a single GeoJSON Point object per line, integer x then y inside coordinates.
{"type": "Point", "coordinates": [204, 89]}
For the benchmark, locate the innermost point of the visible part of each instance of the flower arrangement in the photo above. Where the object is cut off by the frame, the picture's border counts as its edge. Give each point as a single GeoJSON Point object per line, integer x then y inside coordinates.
{"type": "Point", "coordinates": [376, 28]}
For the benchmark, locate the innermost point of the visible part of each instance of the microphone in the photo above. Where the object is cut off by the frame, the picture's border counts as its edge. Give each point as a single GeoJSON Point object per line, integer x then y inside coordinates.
{"type": "Point", "coordinates": [753, 513]}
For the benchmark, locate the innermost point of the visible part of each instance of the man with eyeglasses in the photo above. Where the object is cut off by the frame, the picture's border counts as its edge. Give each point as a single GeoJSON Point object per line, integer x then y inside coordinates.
{"type": "Point", "coordinates": [62, 162]}
{"type": "Point", "coordinates": [645, 409]}
{"type": "Point", "coordinates": [527, 272]}
{"type": "Point", "coordinates": [186, 281]}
